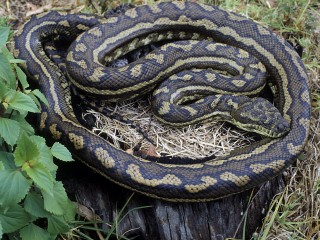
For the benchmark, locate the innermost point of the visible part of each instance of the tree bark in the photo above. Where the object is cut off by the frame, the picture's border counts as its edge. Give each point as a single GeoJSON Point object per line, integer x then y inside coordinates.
{"type": "Point", "coordinates": [231, 217]}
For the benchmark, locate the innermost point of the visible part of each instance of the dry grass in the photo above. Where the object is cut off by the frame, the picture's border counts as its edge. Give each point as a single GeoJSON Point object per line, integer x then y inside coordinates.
{"type": "Point", "coordinates": [294, 213]}
{"type": "Point", "coordinates": [192, 141]}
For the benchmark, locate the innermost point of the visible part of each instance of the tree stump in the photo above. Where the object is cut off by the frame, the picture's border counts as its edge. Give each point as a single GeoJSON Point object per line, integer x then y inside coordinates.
{"type": "Point", "coordinates": [230, 217]}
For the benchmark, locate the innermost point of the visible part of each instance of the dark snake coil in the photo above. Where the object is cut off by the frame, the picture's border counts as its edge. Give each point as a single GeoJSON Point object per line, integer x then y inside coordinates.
{"type": "Point", "coordinates": [244, 168]}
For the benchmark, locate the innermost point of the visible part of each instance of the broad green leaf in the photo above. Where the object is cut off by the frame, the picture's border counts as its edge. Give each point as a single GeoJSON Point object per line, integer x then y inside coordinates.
{"type": "Point", "coordinates": [1, 231]}
{"type": "Point", "coordinates": [20, 101]}
{"type": "Point", "coordinates": [26, 151]}
{"type": "Point", "coordinates": [7, 54]}
{"type": "Point", "coordinates": [9, 130]}
{"type": "Point", "coordinates": [13, 187]}
{"type": "Point", "coordinates": [33, 204]}
{"type": "Point", "coordinates": [57, 202]}
{"type": "Point", "coordinates": [2, 167]}
{"type": "Point", "coordinates": [40, 175]}
{"type": "Point", "coordinates": [57, 224]}
{"type": "Point", "coordinates": [35, 100]}
{"type": "Point", "coordinates": [13, 218]}
{"type": "Point", "coordinates": [24, 125]}
{"type": "Point", "coordinates": [40, 95]}
{"type": "Point", "coordinates": [45, 154]}
{"type": "Point", "coordinates": [33, 232]}
{"type": "Point", "coordinates": [7, 75]}
{"type": "Point", "coordinates": [61, 152]}
{"type": "Point", "coordinates": [21, 76]}
{"type": "Point", "coordinates": [4, 34]}
{"type": "Point", "coordinates": [7, 160]}
{"type": "Point", "coordinates": [3, 89]}
{"type": "Point", "coordinates": [70, 212]}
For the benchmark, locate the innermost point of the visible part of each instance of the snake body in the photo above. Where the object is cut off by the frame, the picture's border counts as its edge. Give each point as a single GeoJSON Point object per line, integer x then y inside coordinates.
{"type": "Point", "coordinates": [244, 168]}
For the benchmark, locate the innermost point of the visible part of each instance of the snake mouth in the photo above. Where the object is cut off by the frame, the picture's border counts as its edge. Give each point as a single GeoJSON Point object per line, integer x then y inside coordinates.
{"type": "Point", "coordinates": [280, 130]}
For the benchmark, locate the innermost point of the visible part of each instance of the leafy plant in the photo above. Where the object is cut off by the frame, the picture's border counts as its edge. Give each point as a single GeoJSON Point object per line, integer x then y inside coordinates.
{"type": "Point", "coordinates": [33, 204]}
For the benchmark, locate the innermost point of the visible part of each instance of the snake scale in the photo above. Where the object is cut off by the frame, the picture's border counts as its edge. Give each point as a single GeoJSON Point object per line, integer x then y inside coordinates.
{"type": "Point", "coordinates": [192, 22]}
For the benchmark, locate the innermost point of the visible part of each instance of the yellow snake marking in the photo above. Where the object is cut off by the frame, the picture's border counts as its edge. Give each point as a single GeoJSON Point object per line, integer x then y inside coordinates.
{"type": "Point", "coordinates": [131, 13]}
{"type": "Point", "coordinates": [136, 70]}
{"type": "Point", "coordinates": [207, 182]}
{"type": "Point", "coordinates": [76, 140]}
{"type": "Point", "coordinates": [256, 151]}
{"type": "Point", "coordinates": [165, 108]}
{"type": "Point", "coordinates": [276, 166]}
{"type": "Point", "coordinates": [155, 9]}
{"type": "Point", "coordinates": [306, 96]}
{"type": "Point", "coordinates": [186, 166]}
{"type": "Point", "coordinates": [236, 17]}
{"type": "Point", "coordinates": [159, 58]}
{"type": "Point", "coordinates": [238, 180]}
{"type": "Point", "coordinates": [82, 27]}
{"type": "Point", "coordinates": [81, 47]}
{"type": "Point", "coordinates": [238, 83]}
{"type": "Point", "coordinates": [43, 119]}
{"type": "Point", "coordinates": [243, 54]}
{"type": "Point", "coordinates": [135, 174]}
{"type": "Point", "coordinates": [263, 31]}
{"type": "Point", "coordinates": [180, 5]}
{"type": "Point", "coordinates": [191, 110]}
{"type": "Point", "coordinates": [104, 157]}
{"type": "Point", "coordinates": [211, 77]}
{"type": "Point", "coordinates": [55, 133]}
{"type": "Point", "coordinates": [95, 32]}
{"type": "Point", "coordinates": [64, 23]}
{"type": "Point", "coordinates": [161, 90]}
{"type": "Point", "coordinates": [177, 46]}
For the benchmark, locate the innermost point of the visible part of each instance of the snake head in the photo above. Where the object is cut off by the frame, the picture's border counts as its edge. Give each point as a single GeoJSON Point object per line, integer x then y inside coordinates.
{"type": "Point", "coordinates": [260, 116]}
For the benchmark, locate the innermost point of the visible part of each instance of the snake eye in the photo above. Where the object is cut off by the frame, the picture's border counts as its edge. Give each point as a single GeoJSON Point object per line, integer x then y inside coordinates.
{"type": "Point", "coordinates": [281, 127]}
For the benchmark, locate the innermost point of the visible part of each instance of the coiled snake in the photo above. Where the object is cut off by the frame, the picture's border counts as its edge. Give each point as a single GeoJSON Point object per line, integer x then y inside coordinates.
{"type": "Point", "coordinates": [202, 24]}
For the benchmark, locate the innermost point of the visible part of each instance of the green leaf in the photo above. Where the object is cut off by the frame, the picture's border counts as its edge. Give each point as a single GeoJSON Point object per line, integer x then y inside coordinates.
{"type": "Point", "coordinates": [9, 130]}
{"type": "Point", "coordinates": [61, 152]}
{"type": "Point", "coordinates": [20, 101]}
{"type": "Point", "coordinates": [13, 187]}
{"type": "Point", "coordinates": [40, 175]}
{"type": "Point", "coordinates": [45, 154]}
{"type": "Point", "coordinates": [7, 160]}
{"type": "Point", "coordinates": [33, 204]}
{"type": "Point", "coordinates": [2, 167]}
{"type": "Point", "coordinates": [57, 224]}
{"type": "Point", "coordinates": [3, 90]}
{"type": "Point", "coordinates": [13, 218]}
{"type": "Point", "coordinates": [1, 231]}
{"type": "Point", "coordinates": [21, 76]}
{"type": "Point", "coordinates": [24, 125]}
{"type": "Point", "coordinates": [70, 212]}
{"type": "Point", "coordinates": [4, 34]}
{"type": "Point", "coordinates": [58, 201]}
{"type": "Point", "coordinates": [7, 54]}
{"type": "Point", "coordinates": [40, 95]}
{"type": "Point", "coordinates": [7, 74]}
{"type": "Point", "coordinates": [32, 232]}
{"type": "Point", "coordinates": [26, 151]}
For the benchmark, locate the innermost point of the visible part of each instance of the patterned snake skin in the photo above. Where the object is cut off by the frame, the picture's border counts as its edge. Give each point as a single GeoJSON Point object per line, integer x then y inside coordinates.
{"type": "Point", "coordinates": [197, 26]}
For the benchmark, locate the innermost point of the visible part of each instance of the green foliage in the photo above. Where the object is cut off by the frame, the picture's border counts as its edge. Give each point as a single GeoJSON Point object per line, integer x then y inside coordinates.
{"type": "Point", "coordinates": [33, 204]}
